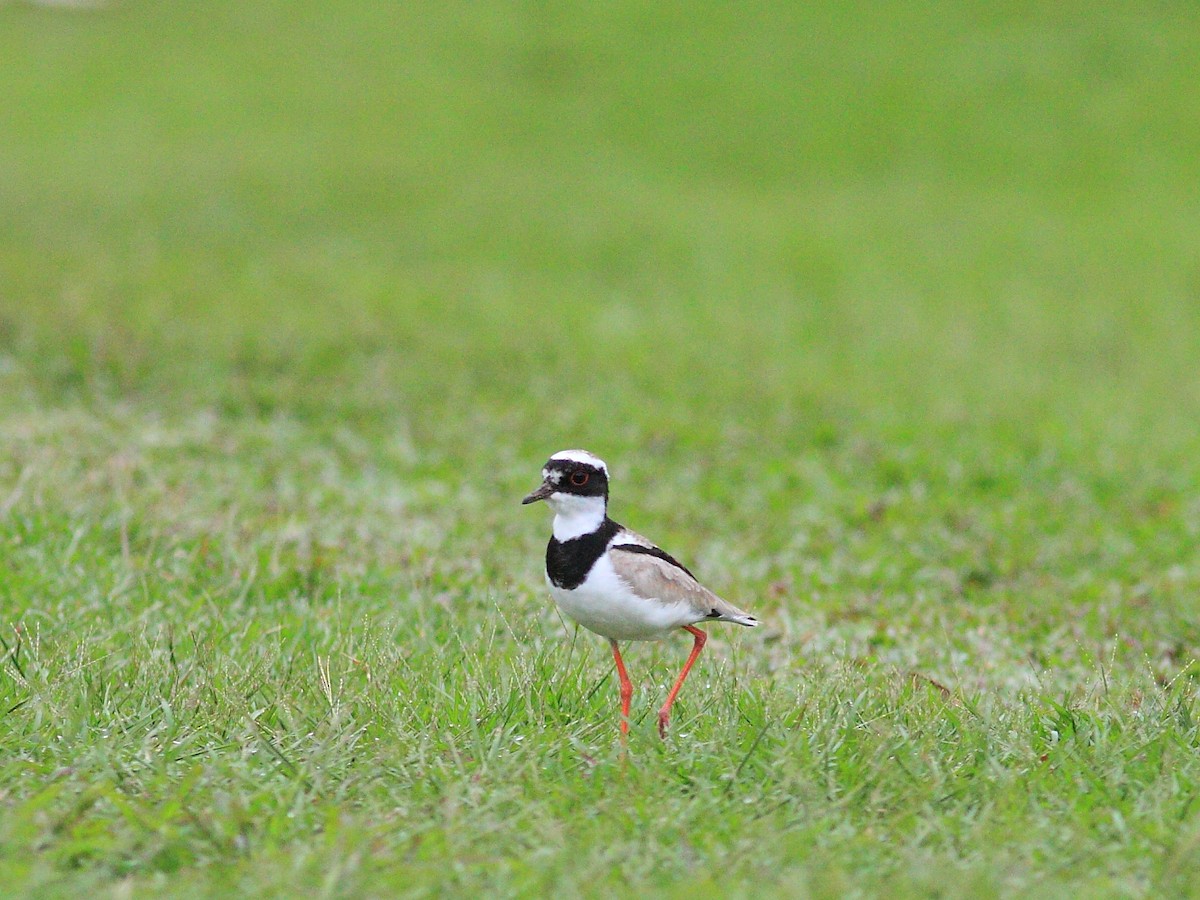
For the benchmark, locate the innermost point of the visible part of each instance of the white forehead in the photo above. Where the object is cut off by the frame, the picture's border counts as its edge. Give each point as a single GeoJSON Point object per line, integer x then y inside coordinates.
{"type": "Point", "coordinates": [581, 456]}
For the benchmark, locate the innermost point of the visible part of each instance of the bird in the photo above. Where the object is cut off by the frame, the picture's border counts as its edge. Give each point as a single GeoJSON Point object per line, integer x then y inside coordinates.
{"type": "Point", "coordinates": [613, 581]}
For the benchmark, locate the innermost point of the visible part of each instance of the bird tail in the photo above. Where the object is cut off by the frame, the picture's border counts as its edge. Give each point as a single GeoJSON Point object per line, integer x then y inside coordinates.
{"type": "Point", "coordinates": [740, 618]}
{"type": "Point", "coordinates": [727, 612]}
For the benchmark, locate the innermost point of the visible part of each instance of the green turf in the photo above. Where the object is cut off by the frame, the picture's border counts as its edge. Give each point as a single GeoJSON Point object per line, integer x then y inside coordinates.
{"type": "Point", "coordinates": [885, 316]}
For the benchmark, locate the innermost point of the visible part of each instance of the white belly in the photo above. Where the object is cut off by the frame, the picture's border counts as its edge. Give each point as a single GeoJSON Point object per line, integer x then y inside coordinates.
{"type": "Point", "coordinates": [605, 605]}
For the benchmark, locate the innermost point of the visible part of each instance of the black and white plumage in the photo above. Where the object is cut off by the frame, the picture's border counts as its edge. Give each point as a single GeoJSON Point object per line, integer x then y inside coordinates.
{"type": "Point", "coordinates": [612, 580]}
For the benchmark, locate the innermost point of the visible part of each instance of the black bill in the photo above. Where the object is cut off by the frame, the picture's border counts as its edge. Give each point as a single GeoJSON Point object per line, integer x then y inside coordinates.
{"type": "Point", "coordinates": [540, 494]}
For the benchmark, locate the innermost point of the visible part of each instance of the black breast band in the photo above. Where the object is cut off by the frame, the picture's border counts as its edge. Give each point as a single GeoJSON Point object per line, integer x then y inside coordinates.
{"type": "Point", "coordinates": [568, 562]}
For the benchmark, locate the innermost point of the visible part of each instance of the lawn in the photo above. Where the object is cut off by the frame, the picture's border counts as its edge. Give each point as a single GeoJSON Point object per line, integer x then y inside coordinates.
{"type": "Point", "coordinates": [885, 316]}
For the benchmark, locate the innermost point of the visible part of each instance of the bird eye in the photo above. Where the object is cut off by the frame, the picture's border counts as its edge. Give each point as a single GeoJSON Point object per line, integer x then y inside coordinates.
{"type": "Point", "coordinates": [579, 479]}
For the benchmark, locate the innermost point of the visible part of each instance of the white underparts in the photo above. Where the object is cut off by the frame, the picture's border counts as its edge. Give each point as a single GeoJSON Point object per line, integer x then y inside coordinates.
{"type": "Point", "coordinates": [606, 605]}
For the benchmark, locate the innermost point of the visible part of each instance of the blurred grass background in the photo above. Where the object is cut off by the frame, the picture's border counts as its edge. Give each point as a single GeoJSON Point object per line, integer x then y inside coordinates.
{"type": "Point", "coordinates": [886, 313]}
{"type": "Point", "coordinates": [903, 213]}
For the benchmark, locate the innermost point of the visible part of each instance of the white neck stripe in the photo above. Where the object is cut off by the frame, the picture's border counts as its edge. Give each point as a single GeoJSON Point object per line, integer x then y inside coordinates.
{"type": "Point", "coordinates": [575, 515]}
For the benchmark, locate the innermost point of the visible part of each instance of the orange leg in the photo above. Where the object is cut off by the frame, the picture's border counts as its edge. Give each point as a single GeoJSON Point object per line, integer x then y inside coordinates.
{"type": "Point", "coordinates": [665, 713]}
{"type": "Point", "coordinates": [626, 690]}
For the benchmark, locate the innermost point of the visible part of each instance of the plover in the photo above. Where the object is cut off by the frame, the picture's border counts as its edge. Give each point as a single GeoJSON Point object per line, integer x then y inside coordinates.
{"type": "Point", "coordinates": [612, 580]}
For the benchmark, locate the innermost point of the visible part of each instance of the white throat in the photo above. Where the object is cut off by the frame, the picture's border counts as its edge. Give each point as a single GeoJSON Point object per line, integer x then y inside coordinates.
{"type": "Point", "coordinates": [575, 515]}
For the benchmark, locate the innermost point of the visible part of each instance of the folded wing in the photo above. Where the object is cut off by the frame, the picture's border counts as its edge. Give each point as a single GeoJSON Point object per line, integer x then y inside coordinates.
{"type": "Point", "coordinates": [655, 575]}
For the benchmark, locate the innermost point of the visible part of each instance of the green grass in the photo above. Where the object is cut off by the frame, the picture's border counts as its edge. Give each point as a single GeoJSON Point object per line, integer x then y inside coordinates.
{"type": "Point", "coordinates": [885, 316]}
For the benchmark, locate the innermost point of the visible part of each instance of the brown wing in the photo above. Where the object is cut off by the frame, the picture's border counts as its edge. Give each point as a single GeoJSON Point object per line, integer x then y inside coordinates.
{"type": "Point", "coordinates": [653, 574]}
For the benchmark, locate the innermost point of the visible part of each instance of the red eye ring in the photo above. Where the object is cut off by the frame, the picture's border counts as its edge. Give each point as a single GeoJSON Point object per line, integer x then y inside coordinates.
{"type": "Point", "coordinates": [579, 479]}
